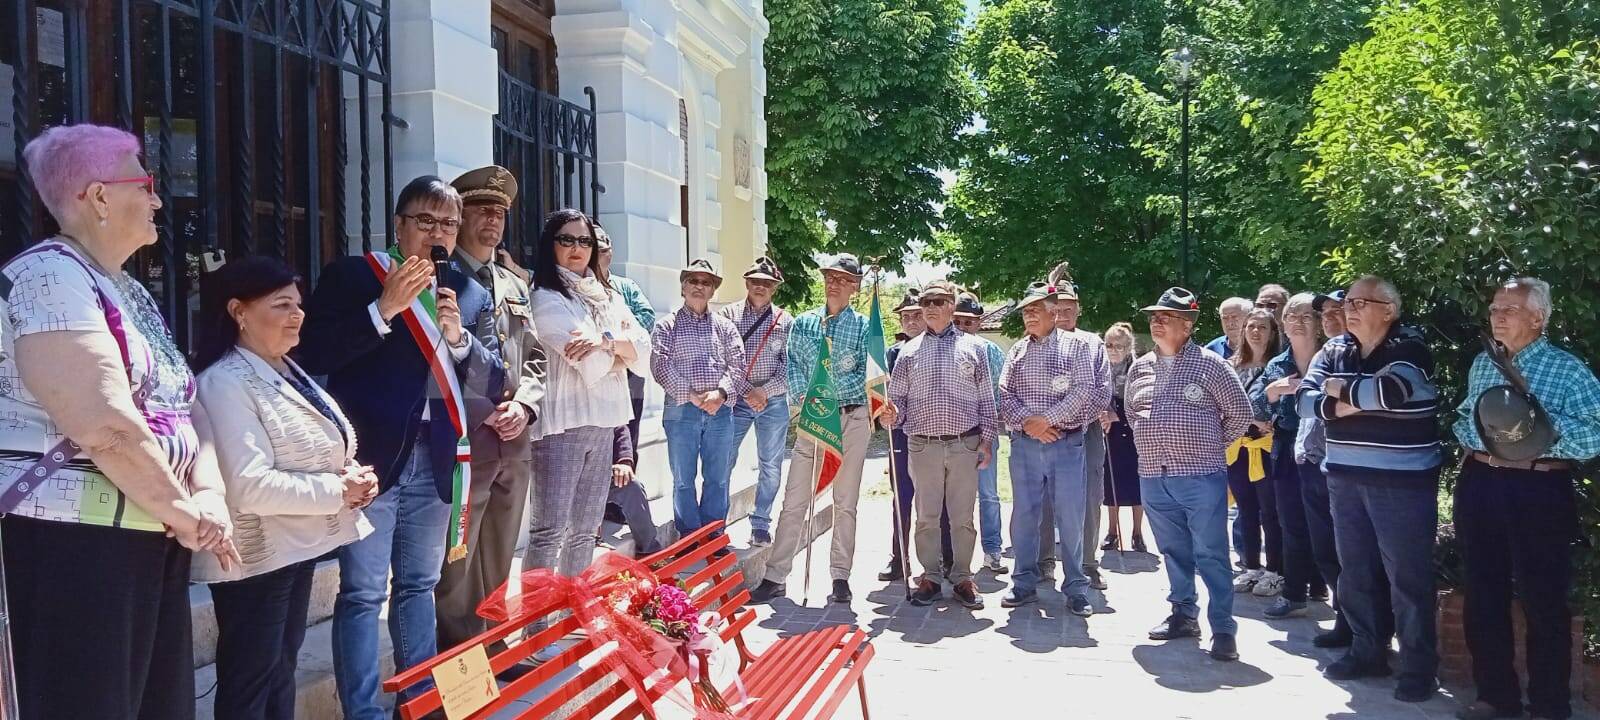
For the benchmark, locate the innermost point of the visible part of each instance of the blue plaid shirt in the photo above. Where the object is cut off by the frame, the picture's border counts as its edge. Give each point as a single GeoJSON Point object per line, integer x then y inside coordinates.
{"type": "Point", "coordinates": [1564, 385]}
{"type": "Point", "coordinates": [848, 331]}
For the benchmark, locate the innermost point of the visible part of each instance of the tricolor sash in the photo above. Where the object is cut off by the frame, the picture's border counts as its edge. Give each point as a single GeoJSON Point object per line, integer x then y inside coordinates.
{"type": "Point", "coordinates": [422, 318]}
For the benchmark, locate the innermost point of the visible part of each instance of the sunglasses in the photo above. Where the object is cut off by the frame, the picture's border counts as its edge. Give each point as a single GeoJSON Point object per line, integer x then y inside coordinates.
{"type": "Point", "coordinates": [936, 302]}
{"type": "Point", "coordinates": [568, 241]}
{"type": "Point", "coordinates": [148, 181]}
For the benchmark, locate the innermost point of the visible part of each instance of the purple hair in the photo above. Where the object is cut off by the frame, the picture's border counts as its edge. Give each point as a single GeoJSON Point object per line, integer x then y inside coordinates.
{"type": "Point", "coordinates": [65, 159]}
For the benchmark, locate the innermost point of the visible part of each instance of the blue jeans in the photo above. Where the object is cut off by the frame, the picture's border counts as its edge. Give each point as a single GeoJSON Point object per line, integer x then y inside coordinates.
{"type": "Point", "coordinates": [408, 533]}
{"type": "Point", "coordinates": [1189, 516]}
{"type": "Point", "coordinates": [1056, 468]}
{"type": "Point", "coordinates": [772, 431]}
{"type": "Point", "coordinates": [698, 445]}
{"type": "Point", "coordinates": [1385, 533]}
{"type": "Point", "coordinates": [989, 505]}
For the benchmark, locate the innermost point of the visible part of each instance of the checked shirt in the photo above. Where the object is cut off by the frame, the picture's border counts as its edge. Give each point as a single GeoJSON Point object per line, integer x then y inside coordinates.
{"type": "Point", "coordinates": [1563, 384]}
{"type": "Point", "coordinates": [1185, 415]}
{"type": "Point", "coordinates": [769, 371]}
{"type": "Point", "coordinates": [692, 353]}
{"type": "Point", "coordinates": [941, 386]}
{"type": "Point", "coordinates": [1053, 376]}
{"type": "Point", "coordinates": [848, 331]}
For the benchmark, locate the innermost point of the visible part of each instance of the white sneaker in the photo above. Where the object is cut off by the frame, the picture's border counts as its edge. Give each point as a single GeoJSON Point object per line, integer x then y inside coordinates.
{"type": "Point", "coordinates": [1245, 582]}
{"type": "Point", "coordinates": [1269, 585]}
{"type": "Point", "coordinates": [993, 563]}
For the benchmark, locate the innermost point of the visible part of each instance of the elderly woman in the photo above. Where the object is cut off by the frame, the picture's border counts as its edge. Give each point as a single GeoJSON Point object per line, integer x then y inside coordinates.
{"type": "Point", "coordinates": [1250, 471]}
{"type": "Point", "coordinates": [287, 456]}
{"type": "Point", "coordinates": [1272, 394]}
{"type": "Point", "coordinates": [98, 551]}
{"type": "Point", "coordinates": [1122, 458]}
{"type": "Point", "coordinates": [1186, 406]}
{"type": "Point", "coordinates": [592, 338]}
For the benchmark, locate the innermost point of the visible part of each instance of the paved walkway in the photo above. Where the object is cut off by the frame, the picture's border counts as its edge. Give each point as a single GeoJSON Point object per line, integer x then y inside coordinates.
{"type": "Point", "coordinates": [947, 662]}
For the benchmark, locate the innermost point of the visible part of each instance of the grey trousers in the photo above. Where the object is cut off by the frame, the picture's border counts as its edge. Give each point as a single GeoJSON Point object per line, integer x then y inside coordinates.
{"type": "Point", "coordinates": [569, 499]}
{"type": "Point", "coordinates": [497, 498]}
{"type": "Point", "coordinates": [945, 473]}
{"type": "Point", "coordinates": [1094, 462]}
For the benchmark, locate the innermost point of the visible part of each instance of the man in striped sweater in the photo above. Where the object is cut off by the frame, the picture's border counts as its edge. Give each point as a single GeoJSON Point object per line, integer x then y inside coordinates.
{"type": "Point", "coordinates": [1372, 387]}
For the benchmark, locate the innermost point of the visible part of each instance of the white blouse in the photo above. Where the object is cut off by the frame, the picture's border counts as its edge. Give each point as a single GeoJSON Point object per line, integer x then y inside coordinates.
{"type": "Point", "coordinates": [591, 392]}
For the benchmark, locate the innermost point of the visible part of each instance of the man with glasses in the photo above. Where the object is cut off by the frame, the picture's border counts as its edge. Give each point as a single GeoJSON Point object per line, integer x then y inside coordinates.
{"type": "Point", "coordinates": [846, 331]}
{"type": "Point", "coordinates": [941, 394]}
{"type": "Point", "coordinates": [1373, 388]}
{"type": "Point", "coordinates": [911, 325]}
{"type": "Point", "coordinates": [1064, 304]}
{"type": "Point", "coordinates": [365, 330]}
{"type": "Point", "coordinates": [969, 313]}
{"type": "Point", "coordinates": [764, 328]}
{"type": "Point", "coordinates": [502, 455]}
{"type": "Point", "coordinates": [1515, 505]}
{"type": "Point", "coordinates": [698, 359]}
{"type": "Point", "coordinates": [1186, 406]}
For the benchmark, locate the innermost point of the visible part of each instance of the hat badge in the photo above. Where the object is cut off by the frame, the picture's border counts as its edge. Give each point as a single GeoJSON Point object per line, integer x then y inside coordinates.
{"type": "Point", "coordinates": [497, 180]}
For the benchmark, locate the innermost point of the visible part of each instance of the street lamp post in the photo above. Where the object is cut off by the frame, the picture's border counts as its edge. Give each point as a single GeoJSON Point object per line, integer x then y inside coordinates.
{"type": "Point", "coordinates": [1185, 61]}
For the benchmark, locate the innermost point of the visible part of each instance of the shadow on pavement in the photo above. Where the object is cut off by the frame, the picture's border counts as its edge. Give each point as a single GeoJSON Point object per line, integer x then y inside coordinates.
{"type": "Point", "coordinates": [1184, 666]}
{"type": "Point", "coordinates": [1045, 625]}
{"type": "Point", "coordinates": [1129, 563]}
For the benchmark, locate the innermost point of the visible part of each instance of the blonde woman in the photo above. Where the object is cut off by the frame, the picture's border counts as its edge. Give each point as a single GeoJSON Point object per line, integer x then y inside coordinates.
{"type": "Point", "coordinates": [1122, 458]}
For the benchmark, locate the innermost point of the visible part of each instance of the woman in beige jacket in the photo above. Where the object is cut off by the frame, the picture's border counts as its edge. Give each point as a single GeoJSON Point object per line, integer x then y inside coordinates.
{"type": "Point", "coordinates": [287, 456]}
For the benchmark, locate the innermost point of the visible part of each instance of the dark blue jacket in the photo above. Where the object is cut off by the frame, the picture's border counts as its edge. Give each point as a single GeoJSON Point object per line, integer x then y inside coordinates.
{"type": "Point", "coordinates": [382, 381]}
{"type": "Point", "coordinates": [1395, 436]}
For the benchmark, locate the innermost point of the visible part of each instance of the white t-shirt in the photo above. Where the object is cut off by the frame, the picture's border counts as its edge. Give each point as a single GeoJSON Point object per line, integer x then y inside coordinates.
{"type": "Point", "coordinates": [53, 289]}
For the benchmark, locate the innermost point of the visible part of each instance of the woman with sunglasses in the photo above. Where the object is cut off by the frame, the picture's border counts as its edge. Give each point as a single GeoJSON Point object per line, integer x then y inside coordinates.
{"type": "Point", "coordinates": [105, 485]}
{"type": "Point", "coordinates": [592, 339]}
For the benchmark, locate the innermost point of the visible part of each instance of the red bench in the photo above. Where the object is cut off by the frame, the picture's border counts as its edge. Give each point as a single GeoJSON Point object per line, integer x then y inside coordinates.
{"type": "Point", "coordinates": [801, 676]}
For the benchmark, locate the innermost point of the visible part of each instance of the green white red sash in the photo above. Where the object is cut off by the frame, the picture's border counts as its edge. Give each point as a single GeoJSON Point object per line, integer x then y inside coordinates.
{"type": "Point", "coordinates": [422, 318]}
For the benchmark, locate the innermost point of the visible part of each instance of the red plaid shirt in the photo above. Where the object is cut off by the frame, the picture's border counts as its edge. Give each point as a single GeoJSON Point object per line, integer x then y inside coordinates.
{"type": "Point", "coordinates": [1184, 416]}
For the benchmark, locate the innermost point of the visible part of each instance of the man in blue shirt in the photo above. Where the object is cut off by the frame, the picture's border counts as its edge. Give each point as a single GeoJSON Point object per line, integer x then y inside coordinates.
{"type": "Point", "coordinates": [1233, 312]}
{"type": "Point", "coordinates": [1517, 520]}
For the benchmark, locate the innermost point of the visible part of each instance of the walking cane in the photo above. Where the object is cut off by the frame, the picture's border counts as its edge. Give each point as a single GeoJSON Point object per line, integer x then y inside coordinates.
{"type": "Point", "coordinates": [8, 674]}
{"type": "Point", "coordinates": [1116, 509]}
{"type": "Point", "coordinates": [811, 509]}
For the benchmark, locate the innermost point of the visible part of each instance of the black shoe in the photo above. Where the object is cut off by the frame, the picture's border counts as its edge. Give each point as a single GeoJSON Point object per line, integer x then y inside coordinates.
{"type": "Point", "coordinates": [1138, 544]}
{"type": "Point", "coordinates": [1481, 710]}
{"type": "Point", "coordinates": [841, 592]}
{"type": "Point", "coordinates": [1113, 542]}
{"type": "Point", "coordinates": [1410, 691]}
{"type": "Point", "coordinates": [1012, 599]}
{"type": "Point", "coordinates": [766, 592]}
{"type": "Point", "coordinates": [1350, 667]}
{"type": "Point", "coordinates": [926, 593]}
{"type": "Point", "coordinates": [1332, 639]}
{"type": "Point", "coordinates": [1224, 648]}
{"type": "Point", "coordinates": [891, 572]}
{"type": "Point", "coordinates": [1176, 626]}
{"type": "Point", "coordinates": [966, 593]}
{"type": "Point", "coordinates": [1079, 605]}
{"type": "Point", "coordinates": [721, 552]}
{"type": "Point", "coordinates": [1095, 581]}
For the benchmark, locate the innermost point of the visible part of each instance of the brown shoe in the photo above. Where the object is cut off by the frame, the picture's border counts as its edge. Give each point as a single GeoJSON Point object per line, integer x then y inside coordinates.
{"type": "Point", "coordinates": [967, 594]}
{"type": "Point", "coordinates": [927, 591]}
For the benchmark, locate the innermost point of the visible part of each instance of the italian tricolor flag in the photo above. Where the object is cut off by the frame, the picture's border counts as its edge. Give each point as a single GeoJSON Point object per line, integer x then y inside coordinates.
{"type": "Point", "coordinates": [877, 363]}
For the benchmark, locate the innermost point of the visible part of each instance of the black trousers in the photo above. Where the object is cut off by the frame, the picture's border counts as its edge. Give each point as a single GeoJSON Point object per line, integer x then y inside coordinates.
{"type": "Point", "coordinates": [1258, 515]}
{"type": "Point", "coordinates": [1324, 550]}
{"type": "Point", "coordinates": [261, 622]}
{"type": "Point", "coordinates": [99, 621]}
{"type": "Point", "coordinates": [1299, 571]}
{"type": "Point", "coordinates": [1516, 528]}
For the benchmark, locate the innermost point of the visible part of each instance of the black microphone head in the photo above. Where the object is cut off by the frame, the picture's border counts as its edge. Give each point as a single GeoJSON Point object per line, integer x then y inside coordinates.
{"type": "Point", "coordinates": [441, 261]}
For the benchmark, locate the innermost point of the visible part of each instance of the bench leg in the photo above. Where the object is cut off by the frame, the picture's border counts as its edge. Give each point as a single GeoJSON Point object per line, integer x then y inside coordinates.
{"type": "Point", "coordinates": [861, 682]}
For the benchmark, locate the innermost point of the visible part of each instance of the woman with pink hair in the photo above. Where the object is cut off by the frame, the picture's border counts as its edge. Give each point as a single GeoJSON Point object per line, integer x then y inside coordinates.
{"type": "Point", "coordinates": [106, 486]}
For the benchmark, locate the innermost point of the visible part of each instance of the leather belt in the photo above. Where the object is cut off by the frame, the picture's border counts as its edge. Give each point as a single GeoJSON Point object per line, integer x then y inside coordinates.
{"type": "Point", "coordinates": [851, 407]}
{"type": "Point", "coordinates": [1540, 465]}
{"type": "Point", "coordinates": [950, 438]}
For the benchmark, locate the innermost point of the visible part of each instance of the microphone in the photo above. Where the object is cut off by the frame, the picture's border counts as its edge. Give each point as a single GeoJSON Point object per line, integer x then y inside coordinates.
{"type": "Point", "coordinates": [441, 263]}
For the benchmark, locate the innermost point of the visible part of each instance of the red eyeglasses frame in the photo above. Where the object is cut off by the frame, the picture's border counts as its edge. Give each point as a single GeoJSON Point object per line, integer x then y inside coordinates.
{"type": "Point", "coordinates": [148, 180]}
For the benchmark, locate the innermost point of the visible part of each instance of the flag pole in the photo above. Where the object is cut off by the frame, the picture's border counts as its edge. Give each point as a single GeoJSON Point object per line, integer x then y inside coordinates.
{"type": "Point", "coordinates": [900, 538]}
{"type": "Point", "coordinates": [811, 509]}
{"type": "Point", "coordinates": [9, 707]}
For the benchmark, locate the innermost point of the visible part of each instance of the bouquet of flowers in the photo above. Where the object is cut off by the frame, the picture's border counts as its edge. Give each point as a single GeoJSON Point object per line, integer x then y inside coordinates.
{"type": "Point", "coordinates": [668, 610]}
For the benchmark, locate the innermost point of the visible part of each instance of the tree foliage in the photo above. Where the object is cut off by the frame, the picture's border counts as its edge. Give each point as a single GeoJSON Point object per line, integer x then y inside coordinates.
{"type": "Point", "coordinates": [865, 98]}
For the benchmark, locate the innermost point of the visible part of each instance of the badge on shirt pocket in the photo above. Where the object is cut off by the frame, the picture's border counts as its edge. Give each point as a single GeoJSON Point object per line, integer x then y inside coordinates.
{"type": "Point", "coordinates": [844, 363]}
{"type": "Point", "coordinates": [967, 369]}
{"type": "Point", "coordinates": [1061, 384]}
{"type": "Point", "coordinates": [1193, 393]}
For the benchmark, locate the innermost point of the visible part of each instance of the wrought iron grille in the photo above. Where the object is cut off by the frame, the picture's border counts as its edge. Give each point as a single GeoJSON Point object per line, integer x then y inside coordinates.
{"type": "Point", "coordinates": [550, 145]}
{"type": "Point", "coordinates": [243, 112]}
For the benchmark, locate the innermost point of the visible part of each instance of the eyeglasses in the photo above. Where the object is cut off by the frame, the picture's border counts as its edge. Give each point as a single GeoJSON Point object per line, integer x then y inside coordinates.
{"type": "Point", "coordinates": [428, 223]}
{"type": "Point", "coordinates": [148, 181]}
{"type": "Point", "coordinates": [1298, 318]}
{"type": "Point", "coordinates": [567, 241]}
{"type": "Point", "coordinates": [935, 302]}
{"type": "Point", "coordinates": [841, 279]}
{"type": "Point", "coordinates": [1360, 304]}
{"type": "Point", "coordinates": [1157, 318]}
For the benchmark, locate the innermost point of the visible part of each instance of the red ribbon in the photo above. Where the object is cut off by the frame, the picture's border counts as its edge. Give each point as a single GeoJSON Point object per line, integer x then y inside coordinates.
{"type": "Point", "coordinates": [600, 597]}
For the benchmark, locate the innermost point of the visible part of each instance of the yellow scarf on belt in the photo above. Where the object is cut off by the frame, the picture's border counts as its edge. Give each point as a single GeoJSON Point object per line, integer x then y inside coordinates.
{"type": "Point", "coordinates": [1259, 448]}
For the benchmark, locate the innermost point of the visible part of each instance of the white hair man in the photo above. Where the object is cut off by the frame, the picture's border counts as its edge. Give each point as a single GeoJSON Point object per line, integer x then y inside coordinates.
{"type": "Point", "coordinates": [1233, 313]}
{"type": "Point", "coordinates": [1515, 506]}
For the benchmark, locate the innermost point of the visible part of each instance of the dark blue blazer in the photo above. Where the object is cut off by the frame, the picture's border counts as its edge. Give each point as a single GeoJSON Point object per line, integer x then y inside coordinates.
{"type": "Point", "coordinates": [383, 381]}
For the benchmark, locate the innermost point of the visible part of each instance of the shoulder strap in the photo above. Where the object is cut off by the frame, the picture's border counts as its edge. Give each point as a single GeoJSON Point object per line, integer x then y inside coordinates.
{"type": "Point", "coordinates": [1497, 355]}
{"type": "Point", "coordinates": [745, 336]}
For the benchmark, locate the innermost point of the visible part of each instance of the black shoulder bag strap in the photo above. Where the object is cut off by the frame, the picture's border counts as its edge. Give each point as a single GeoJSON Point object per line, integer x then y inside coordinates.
{"type": "Point", "coordinates": [745, 336]}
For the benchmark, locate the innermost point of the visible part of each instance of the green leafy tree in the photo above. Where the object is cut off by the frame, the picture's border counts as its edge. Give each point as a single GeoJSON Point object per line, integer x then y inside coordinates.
{"type": "Point", "coordinates": [865, 98]}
